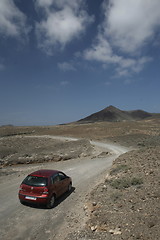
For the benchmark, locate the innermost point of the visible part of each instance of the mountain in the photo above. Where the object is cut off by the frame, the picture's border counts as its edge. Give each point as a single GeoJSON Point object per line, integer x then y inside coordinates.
{"type": "Point", "coordinates": [113, 114]}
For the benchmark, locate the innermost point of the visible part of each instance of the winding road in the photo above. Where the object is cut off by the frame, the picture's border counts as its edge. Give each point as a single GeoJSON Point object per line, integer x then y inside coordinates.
{"type": "Point", "coordinates": [19, 221]}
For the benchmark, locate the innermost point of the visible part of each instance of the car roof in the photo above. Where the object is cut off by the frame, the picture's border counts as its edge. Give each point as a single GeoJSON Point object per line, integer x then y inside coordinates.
{"type": "Point", "coordinates": [44, 173]}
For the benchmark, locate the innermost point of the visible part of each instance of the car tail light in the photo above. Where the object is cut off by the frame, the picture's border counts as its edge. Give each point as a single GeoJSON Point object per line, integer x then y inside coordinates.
{"type": "Point", "coordinates": [45, 191]}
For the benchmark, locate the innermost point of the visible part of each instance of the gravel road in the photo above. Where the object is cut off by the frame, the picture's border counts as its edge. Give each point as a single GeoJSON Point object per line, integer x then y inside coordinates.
{"type": "Point", "coordinates": [19, 221]}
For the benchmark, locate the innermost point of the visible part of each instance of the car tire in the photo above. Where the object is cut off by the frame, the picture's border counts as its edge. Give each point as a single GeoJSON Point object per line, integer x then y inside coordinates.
{"type": "Point", "coordinates": [51, 202]}
{"type": "Point", "coordinates": [69, 187]}
{"type": "Point", "coordinates": [21, 201]}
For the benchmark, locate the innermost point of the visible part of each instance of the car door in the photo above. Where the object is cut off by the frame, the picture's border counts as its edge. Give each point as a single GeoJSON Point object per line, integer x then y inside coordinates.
{"type": "Point", "coordinates": [54, 188]}
{"type": "Point", "coordinates": [64, 181]}
{"type": "Point", "coordinates": [57, 187]}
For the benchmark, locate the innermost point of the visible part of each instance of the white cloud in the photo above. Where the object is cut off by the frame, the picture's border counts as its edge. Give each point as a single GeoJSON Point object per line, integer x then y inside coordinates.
{"type": "Point", "coordinates": [127, 27]}
{"type": "Point", "coordinates": [12, 20]}
{"type": "Point", "coordinates": [100, 51]}
{"type": "Point", "coordinates": [63, 21]}
{"type": "Point", "coordinates": [65, 66]}
{"type": "Point", "coordinates": [133, 65]}
{"type": "Point", "coordinates": [139, 64]}
{"type": "Point", "coordinates": [130, 24]}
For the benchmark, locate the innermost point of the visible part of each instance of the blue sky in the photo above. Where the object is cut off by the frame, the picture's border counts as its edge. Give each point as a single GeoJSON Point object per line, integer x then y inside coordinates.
{"type": "Point", "coordinates": [62, 60]}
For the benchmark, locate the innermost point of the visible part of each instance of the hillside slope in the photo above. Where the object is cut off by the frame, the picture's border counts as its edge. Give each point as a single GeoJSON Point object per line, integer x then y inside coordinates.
{"type": "Point", "coordinates": [113, 114]}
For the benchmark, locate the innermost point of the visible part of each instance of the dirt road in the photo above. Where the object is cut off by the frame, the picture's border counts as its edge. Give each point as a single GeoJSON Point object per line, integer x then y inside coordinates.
{"type": "Point", "coordinates": [19, 221]}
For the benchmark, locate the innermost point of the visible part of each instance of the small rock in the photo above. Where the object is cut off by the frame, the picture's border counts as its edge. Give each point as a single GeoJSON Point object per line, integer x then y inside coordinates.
{"type": "Point", "coordinates": [94, 204]}
{"type": "Point", "coordinates": [94, 228]}
{"type": "Point", "coordinates": [151, 224]}
{"type": "Point", "coordinates": [115, 231]}
{"type": "Point", "coordinates": [111, 231]}
{"type": "Point", "coordinates": [85, 207]}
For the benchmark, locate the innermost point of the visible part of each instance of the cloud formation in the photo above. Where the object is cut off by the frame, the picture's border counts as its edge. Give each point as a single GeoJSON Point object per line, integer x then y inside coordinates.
{"type": "Point", "coordinates": [12, 20]}
{"type": "Point", "coordinates": [127, 28]}
{"type": "Point", "coordinates": [131, 23]}
{"type": "Point", "coordinates": [64, 20]}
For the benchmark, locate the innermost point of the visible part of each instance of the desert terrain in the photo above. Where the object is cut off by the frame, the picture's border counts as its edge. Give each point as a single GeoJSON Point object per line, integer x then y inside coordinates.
{"type": "Point", "coordinates": [122, 202]}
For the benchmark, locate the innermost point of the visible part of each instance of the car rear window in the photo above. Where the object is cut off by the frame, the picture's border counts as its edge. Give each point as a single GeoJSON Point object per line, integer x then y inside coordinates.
{"type": "Point", "coordinates": [35, 181]}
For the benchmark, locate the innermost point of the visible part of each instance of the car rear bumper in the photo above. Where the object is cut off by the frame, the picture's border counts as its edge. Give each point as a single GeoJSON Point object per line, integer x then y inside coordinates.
{"type": "Point", "coordinates": [33, 199]}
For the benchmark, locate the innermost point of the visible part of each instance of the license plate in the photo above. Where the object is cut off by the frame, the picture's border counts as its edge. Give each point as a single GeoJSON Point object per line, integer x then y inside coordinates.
{"type": "Point", "coordinates": [30, 198]}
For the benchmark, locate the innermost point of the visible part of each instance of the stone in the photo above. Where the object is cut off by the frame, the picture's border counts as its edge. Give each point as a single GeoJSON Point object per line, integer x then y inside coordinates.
{"type": "Point", "coordinates": [94, 228]}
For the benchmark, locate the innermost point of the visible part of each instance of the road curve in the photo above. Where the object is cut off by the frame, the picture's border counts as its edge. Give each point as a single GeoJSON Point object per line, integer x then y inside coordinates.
{"type": "Point", "coordinates": [19, 221]}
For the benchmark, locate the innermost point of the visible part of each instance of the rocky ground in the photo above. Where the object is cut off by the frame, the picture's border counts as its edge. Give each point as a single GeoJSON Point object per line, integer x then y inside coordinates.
{"type": "Point", "coordinates": [126, 205]}
{"type": "Point", "coordinates": [33, 149]}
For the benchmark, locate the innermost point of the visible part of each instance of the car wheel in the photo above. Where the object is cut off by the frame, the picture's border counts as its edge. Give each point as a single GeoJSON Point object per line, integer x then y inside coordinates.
{"type": "Point", "coordinates": [69, 187]}
{"type": "Point", "coordinates": [51, 202]}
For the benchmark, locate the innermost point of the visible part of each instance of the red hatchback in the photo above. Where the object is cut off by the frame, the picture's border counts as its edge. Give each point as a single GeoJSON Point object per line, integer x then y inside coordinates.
{"type": "Point", "coordinates": [44, 186]}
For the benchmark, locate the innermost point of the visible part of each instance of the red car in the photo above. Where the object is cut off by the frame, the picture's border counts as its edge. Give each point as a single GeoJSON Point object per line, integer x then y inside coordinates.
{"type": "Point", "coordinates": [44, 186]}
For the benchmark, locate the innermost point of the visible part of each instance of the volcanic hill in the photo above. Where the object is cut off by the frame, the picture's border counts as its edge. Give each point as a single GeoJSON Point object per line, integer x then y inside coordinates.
{"type": "Point", "coordinates": [113, 114]}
